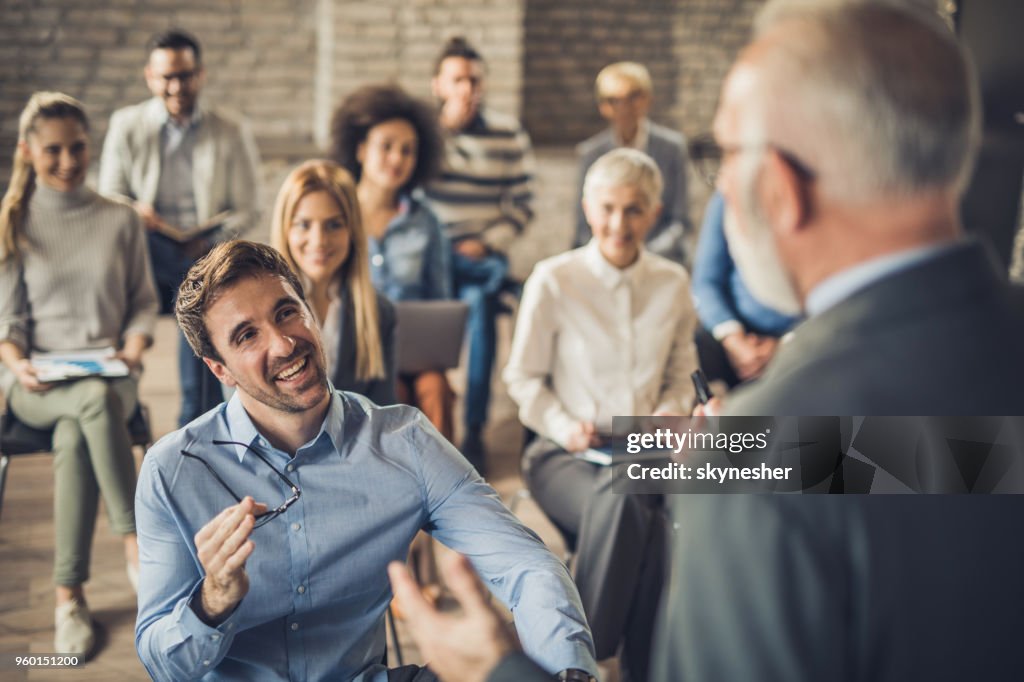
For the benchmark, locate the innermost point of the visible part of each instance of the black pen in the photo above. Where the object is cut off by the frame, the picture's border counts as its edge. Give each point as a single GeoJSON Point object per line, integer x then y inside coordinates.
{"type": "Point", "coordinates": [700, 383]}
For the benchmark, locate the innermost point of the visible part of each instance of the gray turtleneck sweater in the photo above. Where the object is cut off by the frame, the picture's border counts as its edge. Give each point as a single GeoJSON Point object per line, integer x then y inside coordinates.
{"type": "Point", "coordinates": [84, 278]}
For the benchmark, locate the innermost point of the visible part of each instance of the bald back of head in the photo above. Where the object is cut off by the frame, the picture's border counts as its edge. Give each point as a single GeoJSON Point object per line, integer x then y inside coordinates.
{"type": "Point", "coordinates": [876, 97]}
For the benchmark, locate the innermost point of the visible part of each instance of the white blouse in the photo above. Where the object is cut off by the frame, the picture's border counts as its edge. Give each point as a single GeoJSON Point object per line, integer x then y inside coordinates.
{"type": "Point", "coordinates": [593, 341]}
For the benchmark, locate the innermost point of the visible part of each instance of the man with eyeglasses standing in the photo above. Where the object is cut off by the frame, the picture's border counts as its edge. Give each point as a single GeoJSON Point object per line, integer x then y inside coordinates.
{"type": "Point", "coordinates": [266, 526]}
{"type": "Point", "coordinates": [624, 94]}
{"type": "Point", "coordinates": [183, 165]}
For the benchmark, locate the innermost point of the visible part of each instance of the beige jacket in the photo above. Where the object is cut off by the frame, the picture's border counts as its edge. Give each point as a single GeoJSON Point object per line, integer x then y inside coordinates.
{"type": "Point", "coordinates": [225, 163]}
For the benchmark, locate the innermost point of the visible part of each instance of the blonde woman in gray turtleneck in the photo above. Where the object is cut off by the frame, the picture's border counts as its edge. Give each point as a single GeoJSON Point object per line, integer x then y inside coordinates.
{"type": "Point", "coordinates": [74, 275]}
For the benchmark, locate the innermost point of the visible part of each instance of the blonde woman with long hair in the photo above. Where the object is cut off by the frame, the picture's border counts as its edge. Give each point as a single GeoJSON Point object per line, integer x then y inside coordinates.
{"type": "Point", "coordinates": [318, 228]}
{"type": "Point", "coordinates": [74, 272]}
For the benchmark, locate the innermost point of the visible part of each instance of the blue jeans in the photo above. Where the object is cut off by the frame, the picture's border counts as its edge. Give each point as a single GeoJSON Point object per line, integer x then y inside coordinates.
{"type": "Point", "coordinates": [200, 390]}
{"type": "Point", "coordinates": [478, 283]}
{"type": "Point", "coordinates": [169, 267]}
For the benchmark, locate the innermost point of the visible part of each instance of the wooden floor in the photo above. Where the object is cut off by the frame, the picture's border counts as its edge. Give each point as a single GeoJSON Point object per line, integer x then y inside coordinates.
{"type": "Point", "coordinates": [26, 537]}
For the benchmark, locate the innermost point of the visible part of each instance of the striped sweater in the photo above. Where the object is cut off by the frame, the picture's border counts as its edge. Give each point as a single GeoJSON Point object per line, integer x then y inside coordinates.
{"type": "Point", "coordinates": [484, 189]}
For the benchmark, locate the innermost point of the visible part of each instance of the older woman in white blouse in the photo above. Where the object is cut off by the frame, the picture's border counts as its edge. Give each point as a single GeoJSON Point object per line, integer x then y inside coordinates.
{"type": "Point", "coordinates": [605, 330]}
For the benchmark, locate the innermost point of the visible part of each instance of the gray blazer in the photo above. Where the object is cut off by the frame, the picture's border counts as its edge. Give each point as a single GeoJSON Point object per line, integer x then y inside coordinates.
{"type": "Point", "coordinates": [225, 163]}
{"type": "Point", "coordinates": [668, 149]}
{"type": "Point", "coordinates": [380, 391]}
{"type": "Point", "coordinates": [941, 338]}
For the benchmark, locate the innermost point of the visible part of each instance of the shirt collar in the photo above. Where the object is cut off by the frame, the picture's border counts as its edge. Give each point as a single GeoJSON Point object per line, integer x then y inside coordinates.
{"type": "Point", "coordinates": [643, 132]}
{"type": "Point", "coordinates": [607, 273]}
{"type": "Point", "coordinates": [845, 283]}
{"type": "Point", "coordinates": [242, 430]}
{"type": "Point", "coordinates": [193, 121]}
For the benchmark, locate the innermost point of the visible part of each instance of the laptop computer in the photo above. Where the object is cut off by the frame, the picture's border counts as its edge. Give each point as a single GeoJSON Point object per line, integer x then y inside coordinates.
{"type": "Point", "coordinates": [429, 334]}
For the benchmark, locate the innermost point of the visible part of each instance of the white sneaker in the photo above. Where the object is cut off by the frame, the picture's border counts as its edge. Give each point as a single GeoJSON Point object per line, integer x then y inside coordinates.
{"type": "Point", "coordinates": [74, 631]}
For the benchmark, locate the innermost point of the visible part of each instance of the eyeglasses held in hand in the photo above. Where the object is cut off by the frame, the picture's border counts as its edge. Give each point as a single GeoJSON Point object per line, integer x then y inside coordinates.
{"type": "Point", "coordinates": [269, 515]}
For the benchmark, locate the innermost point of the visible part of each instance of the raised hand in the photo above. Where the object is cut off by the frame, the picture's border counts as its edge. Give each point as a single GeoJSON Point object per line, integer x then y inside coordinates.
{"type": "Point", "coordinates": [461, 647]}
{"type": "Point", "coordinates": [223, 546]}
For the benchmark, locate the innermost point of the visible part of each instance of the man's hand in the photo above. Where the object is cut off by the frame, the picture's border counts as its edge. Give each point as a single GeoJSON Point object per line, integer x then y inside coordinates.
{"type": "Point", "coordinates": [457, 112]}
{"type": "Point", "coordinates": [131, 353]}
{"type": "Point", "coordinates": [747, 353]}
{"type": "Point", "coordinates": [28, 378]}
{"type": "Point", "coordinates": [223, 546]}
{"type": "Point", "coordinates": [766, 347]}
{"type": "Point", "coordinates": [583, 436]}
{"type": "Point", "coordinates": [471, 248]}
{"type": "Point", "coordinates": [459, 648]}
{"type": "Point", "coordinates": [712, 408]}
{"type": "Point", "coordinates": [150, 218]}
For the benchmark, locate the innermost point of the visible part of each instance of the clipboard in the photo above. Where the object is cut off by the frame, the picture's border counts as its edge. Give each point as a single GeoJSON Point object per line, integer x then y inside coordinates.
{"type": "Point", "coordinates": [69, 365]}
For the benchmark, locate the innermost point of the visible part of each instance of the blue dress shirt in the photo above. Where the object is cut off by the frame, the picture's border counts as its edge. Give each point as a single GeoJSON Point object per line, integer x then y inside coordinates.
{"type": "Point", "coordinates": [719, 293]}
{"type": "Point", "coordinates": [318, 590]}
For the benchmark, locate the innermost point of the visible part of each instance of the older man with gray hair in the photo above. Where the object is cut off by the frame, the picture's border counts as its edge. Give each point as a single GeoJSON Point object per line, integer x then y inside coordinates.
{"type": "Point", "coordinates": [846, 191]}
{"type": "Point", "coordinates": [848, 131]}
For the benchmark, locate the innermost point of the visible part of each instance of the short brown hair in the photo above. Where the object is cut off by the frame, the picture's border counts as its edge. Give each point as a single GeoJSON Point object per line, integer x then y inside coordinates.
{"type": "Point", "coordinates": [217, 271]}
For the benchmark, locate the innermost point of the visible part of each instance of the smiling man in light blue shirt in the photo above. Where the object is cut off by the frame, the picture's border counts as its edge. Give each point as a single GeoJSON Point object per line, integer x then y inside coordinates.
{"type": "Point", "coordinates": [265, 527]}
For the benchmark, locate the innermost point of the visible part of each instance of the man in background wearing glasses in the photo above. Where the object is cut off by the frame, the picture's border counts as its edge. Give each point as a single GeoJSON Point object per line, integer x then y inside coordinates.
{"type": "Point", "coordinates": [624, 92]}
{"type": "Point", "coordinates": [265, 526]}
{"type": "Point", "coordinates": [183, 165]}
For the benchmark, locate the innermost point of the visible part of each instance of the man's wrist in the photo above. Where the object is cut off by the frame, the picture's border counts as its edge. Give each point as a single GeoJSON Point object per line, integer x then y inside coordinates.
{"type": "Point", "coordinates": [207, 609]}
{"type": "Point", "coordinates": [575, 675]}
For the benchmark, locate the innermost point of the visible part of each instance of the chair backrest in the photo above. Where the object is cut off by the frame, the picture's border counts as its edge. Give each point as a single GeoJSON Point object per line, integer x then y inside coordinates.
{"type": "Point", "coordinates": [17, 438]}
{"type": "Point", "coordinates": [429, 334]}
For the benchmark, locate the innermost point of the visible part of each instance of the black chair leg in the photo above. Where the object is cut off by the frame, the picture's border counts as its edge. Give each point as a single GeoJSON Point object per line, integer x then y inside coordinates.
{"type": "Point", "coordinates": [4, 461]}
{"type": "Point", "coordinates": [394, 636]}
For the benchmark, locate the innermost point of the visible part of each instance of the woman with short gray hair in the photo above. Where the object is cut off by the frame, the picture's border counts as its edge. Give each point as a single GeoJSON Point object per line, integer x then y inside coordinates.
{"type": "Point", "coordinates": [604, 330]}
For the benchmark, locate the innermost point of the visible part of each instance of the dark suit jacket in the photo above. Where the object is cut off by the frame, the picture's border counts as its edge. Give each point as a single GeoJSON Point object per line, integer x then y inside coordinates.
{"type": "Point", "coordinates": [799, 588]}
{"type": "Point", "coordinates": [858, 588]}
{"type": "Point", "coordinates": [943, 338]}
{"type": "Point", "coordinates": [380, 391]}
{"type": "Point", "coordinates": [668, 149]}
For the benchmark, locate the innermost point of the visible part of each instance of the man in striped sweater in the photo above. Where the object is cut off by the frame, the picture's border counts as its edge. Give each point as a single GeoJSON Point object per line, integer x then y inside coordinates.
{"type": "Point", "coordinates": [482, 197]}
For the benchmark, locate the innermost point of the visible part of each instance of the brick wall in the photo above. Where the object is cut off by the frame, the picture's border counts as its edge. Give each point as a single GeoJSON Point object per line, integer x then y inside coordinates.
{"type": "Point", "coordinates": [286, 63]}
{"type": "Point", "coordinates": [261, 58]}
{"type": "Point", "coordinates": [688, 46]}
{"type": "Point", "coordinates": [568, 42]}
{"type": "Point", "coordinates": [398, 40]}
